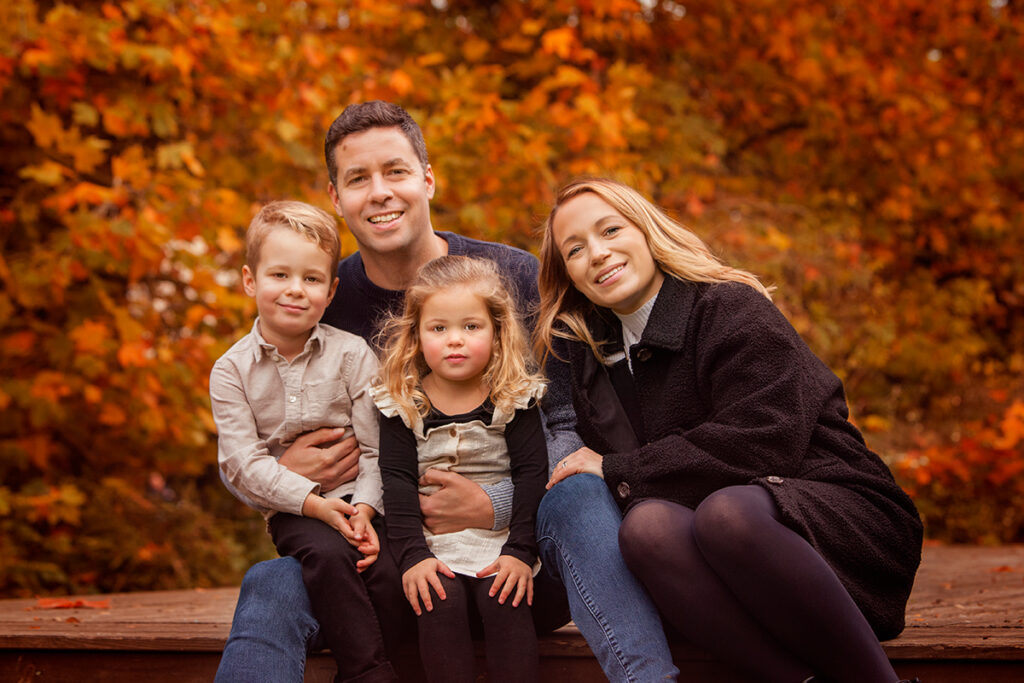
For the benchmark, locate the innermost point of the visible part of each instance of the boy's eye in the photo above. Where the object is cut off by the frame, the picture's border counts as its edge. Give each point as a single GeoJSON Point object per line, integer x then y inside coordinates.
{"type": "Point", "coordinates": [312, 278]}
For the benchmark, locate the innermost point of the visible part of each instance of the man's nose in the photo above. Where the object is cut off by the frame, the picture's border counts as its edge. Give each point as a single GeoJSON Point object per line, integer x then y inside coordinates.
{"type": "Point", "coordinates": [380, 191]}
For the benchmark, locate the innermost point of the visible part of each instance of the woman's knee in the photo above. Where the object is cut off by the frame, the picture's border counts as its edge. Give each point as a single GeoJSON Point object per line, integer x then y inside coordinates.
{"type": "Point", "coordinates": [652, 531]}
{"type": "Point", "coordinates": [733, 519]}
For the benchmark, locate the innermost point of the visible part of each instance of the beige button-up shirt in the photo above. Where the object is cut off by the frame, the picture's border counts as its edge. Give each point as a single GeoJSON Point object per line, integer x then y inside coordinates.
{"type": "Point", "coordinates": [261, 403]}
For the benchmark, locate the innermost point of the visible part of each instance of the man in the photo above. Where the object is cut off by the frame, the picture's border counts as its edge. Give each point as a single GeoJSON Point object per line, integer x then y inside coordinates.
{"type": "Point", "coordinates": [381, 183]}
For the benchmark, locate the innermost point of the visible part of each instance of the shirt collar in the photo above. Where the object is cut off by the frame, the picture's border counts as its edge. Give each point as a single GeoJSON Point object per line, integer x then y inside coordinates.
{"type": "Point", "coordinates": [263, 348]}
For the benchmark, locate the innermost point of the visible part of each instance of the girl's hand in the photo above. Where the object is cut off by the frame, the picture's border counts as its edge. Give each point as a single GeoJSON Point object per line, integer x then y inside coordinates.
{"type": "Point", "coordinates": [417, 580]}
{"type": "Point", "coordinates": [364, 536]}
{"type": "Point", "coordinates": [577, 462]}
{"type": "Point", "coordinates": [513, 575]}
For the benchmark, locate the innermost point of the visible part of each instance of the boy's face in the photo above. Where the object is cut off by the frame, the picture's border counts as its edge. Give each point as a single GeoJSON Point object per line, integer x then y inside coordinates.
{"type": "Point", "coordinates": [292, 285]}
{"type": "Point", "coordinates": [382, 191]}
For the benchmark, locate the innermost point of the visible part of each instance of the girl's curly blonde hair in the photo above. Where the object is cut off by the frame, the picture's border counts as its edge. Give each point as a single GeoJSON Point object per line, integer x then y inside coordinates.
{"type": "Point", "coordinates": [511, 368]}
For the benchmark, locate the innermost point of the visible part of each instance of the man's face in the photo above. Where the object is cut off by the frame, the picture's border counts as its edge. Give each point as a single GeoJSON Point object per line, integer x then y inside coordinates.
{"type": "Point", "coordinates": [382, 191]}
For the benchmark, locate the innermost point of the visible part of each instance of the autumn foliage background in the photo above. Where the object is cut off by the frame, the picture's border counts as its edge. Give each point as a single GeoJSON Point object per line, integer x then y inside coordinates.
{"type": "Point", "coordinates": [865, 157]}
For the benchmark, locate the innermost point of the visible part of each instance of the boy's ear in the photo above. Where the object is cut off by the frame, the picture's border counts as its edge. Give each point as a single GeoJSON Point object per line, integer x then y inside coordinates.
{"type": "Point", "coordinates": [334, 288]}
{"type": "Point", "coordinates": [249, 281]}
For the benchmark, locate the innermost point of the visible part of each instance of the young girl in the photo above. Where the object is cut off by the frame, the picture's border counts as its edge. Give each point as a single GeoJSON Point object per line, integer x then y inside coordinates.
{"type": "Point", "coordinates": [761, 525]}
{"type": "Point", "coordinates": [458, 393]}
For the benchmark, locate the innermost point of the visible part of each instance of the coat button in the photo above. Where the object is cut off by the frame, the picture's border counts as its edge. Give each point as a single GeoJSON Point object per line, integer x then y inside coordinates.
{"type": "Point", "coordinates": [643, 354]}
{"type": "Point", "coordinates": [452, 432]}
{"type": "Point", "coordinates": [623, 489]}
{"type": "Point", "coordinates": [774, 480]}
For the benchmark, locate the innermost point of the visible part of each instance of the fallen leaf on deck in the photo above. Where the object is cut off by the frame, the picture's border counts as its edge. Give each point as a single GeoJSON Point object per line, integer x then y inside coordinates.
{"type": "Point", "coordinates": [65, 603]}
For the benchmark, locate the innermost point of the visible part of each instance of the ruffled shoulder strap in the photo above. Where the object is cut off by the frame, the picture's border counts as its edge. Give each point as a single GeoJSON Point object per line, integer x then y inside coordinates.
{"type": "Point", "coordinates": [532, 390]}
{"type": "Point", "coordinates": [389, 407]}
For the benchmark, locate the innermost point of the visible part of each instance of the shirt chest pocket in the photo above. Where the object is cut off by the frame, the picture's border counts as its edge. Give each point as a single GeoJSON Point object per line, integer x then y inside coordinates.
{"type": "Point", "coordinates": [325, 404]}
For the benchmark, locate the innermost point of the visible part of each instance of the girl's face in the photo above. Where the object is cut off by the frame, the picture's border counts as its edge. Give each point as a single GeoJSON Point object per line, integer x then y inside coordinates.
{"type": "Point", "coordinates": [457, 335]}
{"type": "Point", "coordinates": [606, 256]}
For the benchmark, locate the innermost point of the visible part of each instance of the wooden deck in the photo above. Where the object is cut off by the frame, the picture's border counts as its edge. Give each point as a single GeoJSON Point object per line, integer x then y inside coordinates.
{"type": "Point", "coordinates": [965, 622]}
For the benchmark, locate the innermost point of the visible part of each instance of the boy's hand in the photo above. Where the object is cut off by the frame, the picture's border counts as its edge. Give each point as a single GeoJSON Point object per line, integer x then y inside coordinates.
{"type": "Point", "coordinates": [512, 575]}
{"type": "Point", "coordinates": [316, 457]}
{"type": "Point", "coordinates": [334, 512]}
{"type": "Point", "coordinates": [364, 536]}
{"type": "Point", "coordinates": [417, 580]}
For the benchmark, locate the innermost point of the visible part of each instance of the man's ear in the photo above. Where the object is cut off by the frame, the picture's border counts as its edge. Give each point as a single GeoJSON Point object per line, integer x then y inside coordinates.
{"type": "Point", "coordinates": [428, 177]}
{"type": "Point", "coordinates": [332, 191]}
{"type": "Point", "coordinates": [248, 281]}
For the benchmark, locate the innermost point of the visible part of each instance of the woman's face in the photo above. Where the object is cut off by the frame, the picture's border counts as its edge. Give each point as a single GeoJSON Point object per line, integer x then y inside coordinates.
{"type": "Point", "coordinates": [607, 256]}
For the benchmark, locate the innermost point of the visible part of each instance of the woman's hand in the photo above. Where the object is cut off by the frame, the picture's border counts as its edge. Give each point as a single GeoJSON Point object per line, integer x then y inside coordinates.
{"type": "Point", "coordinates": [512, 575]}
{"type": "Point", "coordinates": [577, 462]}
{"type": "Point", "coordinates": [417, 580]}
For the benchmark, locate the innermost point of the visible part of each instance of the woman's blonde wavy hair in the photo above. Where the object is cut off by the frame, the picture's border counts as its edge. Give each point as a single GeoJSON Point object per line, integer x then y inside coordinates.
{"type": "Point", "coordinates": [511, 368]}
{"type": "Point", "coordinates": [675, 248]}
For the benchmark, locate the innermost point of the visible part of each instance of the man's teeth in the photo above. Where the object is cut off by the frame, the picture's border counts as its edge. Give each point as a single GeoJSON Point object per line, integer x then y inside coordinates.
{"type": "Point", "coordinates": [609, 274]}
{"type": "Point", "coordinates": [385, 218]}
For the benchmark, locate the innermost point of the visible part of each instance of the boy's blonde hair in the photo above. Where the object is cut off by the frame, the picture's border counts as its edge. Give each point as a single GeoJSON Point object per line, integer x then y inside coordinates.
{"type": "Point", "coordinates": [312, 223]}
{"type": "Point", "coordinates": [676, 249]}
{"type": "Point", "coordinates": [511, 368]}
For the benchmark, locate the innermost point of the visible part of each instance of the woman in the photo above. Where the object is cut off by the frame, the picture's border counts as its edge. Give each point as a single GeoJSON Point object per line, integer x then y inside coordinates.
{"type": "Point", "coordinates": [761, 525]}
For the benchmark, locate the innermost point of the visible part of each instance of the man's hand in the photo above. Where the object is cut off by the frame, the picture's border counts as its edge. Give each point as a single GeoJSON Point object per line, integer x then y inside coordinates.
{"type": "Point", "coordinates": [459, 503]}
{"type": "Point", "coordinates": [315, 457]}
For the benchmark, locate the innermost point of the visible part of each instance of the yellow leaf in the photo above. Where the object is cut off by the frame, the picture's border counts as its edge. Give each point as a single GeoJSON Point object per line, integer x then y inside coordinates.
{"type": "Point", "coordinates": [47, 129]}
{"type": "Point", "coordinates": [400, 82]}
{"type": "Point", "coordinates": [90, 337]}
{"type": "Point", "coordinates": [47, 173]}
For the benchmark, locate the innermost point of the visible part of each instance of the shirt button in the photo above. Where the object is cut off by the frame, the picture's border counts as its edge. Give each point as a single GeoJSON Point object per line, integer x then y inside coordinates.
{"type": "Point", "coordinates": [643, 354]}
{"type": "Point", "coordinates": [452, 432]}
{"type": "Point", "coordinates": [774, 480]}
{"type": "Point", "coordinates": [293, 398]}
{"type": "Point", "coordinates": [623, 489]}
{"type": "Point", "coordinates": [451, 459]}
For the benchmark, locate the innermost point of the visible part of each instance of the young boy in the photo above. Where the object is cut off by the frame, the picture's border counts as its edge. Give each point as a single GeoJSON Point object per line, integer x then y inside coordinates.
{"type": "Point", "coordinates": [288, 376]}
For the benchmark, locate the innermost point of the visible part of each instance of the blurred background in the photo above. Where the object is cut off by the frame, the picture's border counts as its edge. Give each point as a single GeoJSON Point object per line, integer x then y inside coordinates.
{"type": "Point", "coordinates": [866, 158]}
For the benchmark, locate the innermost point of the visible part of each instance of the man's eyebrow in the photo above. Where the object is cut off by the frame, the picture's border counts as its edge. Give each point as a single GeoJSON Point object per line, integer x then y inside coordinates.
{"type": "Point", "coordinates": [353, 170]}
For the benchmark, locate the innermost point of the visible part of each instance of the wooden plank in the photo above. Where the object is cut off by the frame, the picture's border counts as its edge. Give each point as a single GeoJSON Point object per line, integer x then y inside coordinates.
{"type": "Point", "coordinates": [965, 622]}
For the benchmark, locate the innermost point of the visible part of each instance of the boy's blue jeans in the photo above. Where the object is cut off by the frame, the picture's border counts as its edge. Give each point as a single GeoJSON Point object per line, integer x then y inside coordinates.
{"type": "Point", "coordinates": [577, 530]}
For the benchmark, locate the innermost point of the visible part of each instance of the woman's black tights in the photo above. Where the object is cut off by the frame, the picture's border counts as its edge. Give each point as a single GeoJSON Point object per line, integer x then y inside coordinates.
{"type": "Point", "coordinates": [446, 645]}
{"type": "Point", "coordinates": [732, 579]}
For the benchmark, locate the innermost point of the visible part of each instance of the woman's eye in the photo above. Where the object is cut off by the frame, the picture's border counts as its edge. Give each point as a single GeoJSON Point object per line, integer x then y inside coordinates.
{"type": "Point", "coordinates": [612, 230]}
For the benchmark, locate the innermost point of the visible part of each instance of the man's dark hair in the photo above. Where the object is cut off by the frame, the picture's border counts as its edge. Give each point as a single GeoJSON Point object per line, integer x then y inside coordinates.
{"type": "Point", "coordinates": [376, 114]}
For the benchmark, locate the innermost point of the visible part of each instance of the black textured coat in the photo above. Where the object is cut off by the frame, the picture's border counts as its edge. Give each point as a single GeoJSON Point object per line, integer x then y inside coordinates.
{"type": "Point", "coordinates": [725, 392]}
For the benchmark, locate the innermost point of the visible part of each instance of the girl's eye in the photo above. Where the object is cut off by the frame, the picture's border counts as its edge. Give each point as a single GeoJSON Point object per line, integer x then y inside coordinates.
{"type": "Point", "coordinates": [472, 326]}
{"type": "Point", "coordinates": [612, 230]}
{"type": "Point", "coordinates": [438, 328]}
{"type": "Point", "coordinates": [573, 251]}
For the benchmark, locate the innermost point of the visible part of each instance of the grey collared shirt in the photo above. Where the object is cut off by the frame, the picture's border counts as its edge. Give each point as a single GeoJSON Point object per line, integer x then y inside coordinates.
{"type": "Point", "coordinates": [262, 403]}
